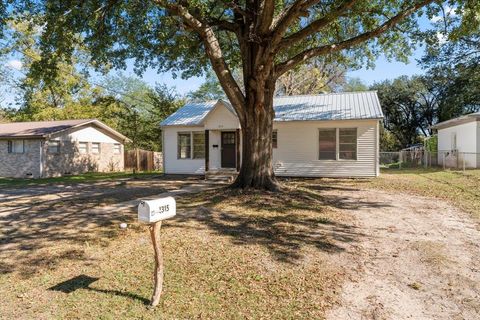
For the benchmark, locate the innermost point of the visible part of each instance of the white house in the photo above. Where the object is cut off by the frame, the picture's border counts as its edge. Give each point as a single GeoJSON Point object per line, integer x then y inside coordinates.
{"type": "Point", "coordinates": [459, 141]}
{"type": "Point", "coordinates": [55, 148]}
{"type": "Point", "coordinates": [327, 135]}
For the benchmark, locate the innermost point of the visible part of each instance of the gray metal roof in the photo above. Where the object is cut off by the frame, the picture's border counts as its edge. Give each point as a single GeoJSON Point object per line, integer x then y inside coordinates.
{"type": "Point", "coordinates": [457, 121]}
{"type": "Point", "coordinates": [190, 114]}
{"type": "Point", "coordinates": [42, 129]}
{"type": "Point", "coordinates": [331, 106]}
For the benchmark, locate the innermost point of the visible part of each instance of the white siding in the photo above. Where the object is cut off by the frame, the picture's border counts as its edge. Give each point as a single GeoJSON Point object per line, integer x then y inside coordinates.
{"type": "Point", "coordinates": [468, 141]}
{"type": "Point", "coordinates": [170, 162]}
{"type": "Point", "coordinates": [298, 150]}
{"type": "Point", "coordinates": [89, 133]}
{"type": "Point", "coordinates": [221, 118]}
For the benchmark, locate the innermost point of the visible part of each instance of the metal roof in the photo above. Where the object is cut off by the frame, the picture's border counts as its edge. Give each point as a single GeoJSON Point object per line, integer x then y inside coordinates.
{"type": "Point", "coordinates": [42, 129]}
{"type": "Point", "coordinates": [457, 121]}
{"type": "Point", "coordinates": [331, 106]}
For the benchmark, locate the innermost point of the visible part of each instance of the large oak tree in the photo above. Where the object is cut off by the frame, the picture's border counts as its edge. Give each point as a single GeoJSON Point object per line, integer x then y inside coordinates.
{"type": "Point", "coordinates": [264, 38]}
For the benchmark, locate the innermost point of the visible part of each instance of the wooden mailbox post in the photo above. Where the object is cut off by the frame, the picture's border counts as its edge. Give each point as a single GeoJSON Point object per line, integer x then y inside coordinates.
{"type": "Point", "coordinates": [153, 212]}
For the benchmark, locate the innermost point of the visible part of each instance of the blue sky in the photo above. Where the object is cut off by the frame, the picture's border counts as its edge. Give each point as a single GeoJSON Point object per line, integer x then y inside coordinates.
{"type": "Point", "coordinates": [384, 69]}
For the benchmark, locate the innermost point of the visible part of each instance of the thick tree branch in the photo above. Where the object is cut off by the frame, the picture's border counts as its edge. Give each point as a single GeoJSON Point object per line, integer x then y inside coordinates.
{"type": "Point", "coordinates": [214, 52]}
{"type": "Point", "coordinates": [265, 18]}
{"type": "Point", "coordinates": [316, 25]}
{"type": "Point", "coordinates": [283, 67]}
{"type": "Point", "coordinates": [287, 16]}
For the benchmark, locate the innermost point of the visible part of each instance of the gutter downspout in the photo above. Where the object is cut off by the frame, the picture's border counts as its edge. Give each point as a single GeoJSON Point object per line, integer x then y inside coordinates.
{"type": "Point", "coordinates": [42, 165]}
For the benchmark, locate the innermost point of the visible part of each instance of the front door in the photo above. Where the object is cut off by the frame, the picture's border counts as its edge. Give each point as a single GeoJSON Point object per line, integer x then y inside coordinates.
{"type": "Point", "coordinates": [228, 149]}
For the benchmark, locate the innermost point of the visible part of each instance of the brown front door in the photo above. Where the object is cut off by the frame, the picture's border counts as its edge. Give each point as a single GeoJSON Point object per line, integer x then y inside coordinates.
{"type": "Point", "coordinates": [228, 150]}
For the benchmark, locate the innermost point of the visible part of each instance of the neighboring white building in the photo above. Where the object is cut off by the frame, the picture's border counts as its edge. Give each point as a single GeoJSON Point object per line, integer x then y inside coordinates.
{"type": "Point", "coordinates": [327, 135]}
{"type": "Point", "coordinates": [55, 148]}
{"type": "Point", "coordinates": [459, 141]}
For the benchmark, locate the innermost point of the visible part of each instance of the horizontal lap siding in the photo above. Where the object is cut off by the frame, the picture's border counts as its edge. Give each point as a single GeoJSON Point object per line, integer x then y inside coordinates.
{"type": "Point", "coordinates": [297, 152]}
{"type": "Point", "coordinates": [179, 166]}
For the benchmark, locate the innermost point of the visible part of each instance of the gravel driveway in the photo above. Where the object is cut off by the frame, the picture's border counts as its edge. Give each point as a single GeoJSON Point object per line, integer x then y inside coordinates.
{"type": "Point", "coordinates": [419, 259]}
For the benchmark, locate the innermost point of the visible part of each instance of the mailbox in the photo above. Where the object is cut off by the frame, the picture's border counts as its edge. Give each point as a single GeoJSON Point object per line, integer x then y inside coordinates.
{"type": "Point", "coordinates": [150, 211]}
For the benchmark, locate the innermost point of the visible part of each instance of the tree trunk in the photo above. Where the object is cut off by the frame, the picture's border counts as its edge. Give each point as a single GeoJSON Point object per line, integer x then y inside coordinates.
{"type": "Point", "coordinates": [257, 127]}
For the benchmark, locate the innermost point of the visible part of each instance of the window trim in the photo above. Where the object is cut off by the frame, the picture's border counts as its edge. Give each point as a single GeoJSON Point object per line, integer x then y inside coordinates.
{"type": "Point", "coordinates": [49, 146]}
{"type": "Point", "coordinates": [87, 149]}
{"type": "Point", "coordinates": [337, 145]}
{"type": "Point", "coordinates": [99, 148]}
{"type": "Point", "coordinates": [115, 145]}
{"type": "Point", "coordinates": [10, 146]}
{"type": "Point", "coordinates": [192, 144]}
{"type": "Point", "coordinates": [191, 133]}
{"type": "Point", "coordinates": [356, 144]}
{"type": "Point", "coordinates": [178, 145]}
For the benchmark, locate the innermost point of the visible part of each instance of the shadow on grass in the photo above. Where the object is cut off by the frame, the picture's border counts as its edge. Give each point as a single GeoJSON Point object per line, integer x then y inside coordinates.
{"type": "Point", "coordinates": [84, 282]}
{"type": "Point", "coordinates": [284, 223]}
{"type": "Point", "coordinates": [75, 219]}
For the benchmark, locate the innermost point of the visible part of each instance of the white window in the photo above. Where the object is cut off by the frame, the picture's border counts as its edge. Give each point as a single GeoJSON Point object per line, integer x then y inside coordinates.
{"type": "Point", "coordinates": [347, 143]}
{"type": "Point", "coordinates": [54, 147]}
{"type": "Point", "coordinates": [117, 148]}
{"type": "Point", "coordinates": [328, 144]}
{"type": "Point", "coordinates": [16, 146]}
{"type": "Point", "coordinates": [184, 145]}
{"type": "Point", "coordinates": [338, 144]}
{"type": "Point", "coordinates": [95, 147]}
{"type": "Point", "coordinates": [199, 145]}
{"type": "Point", "coordinates": [275, 139]}
{"type": "Point", "coordinates": [83, 147]}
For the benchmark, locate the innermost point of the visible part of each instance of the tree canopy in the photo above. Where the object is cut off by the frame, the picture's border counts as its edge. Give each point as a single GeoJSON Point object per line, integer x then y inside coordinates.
{"type": "Point", "coordinates": [263, 39]}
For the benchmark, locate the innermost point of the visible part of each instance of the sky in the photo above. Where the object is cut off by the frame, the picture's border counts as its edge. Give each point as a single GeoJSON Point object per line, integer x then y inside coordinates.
{"type": "Point", "coordinates": [383, 70]}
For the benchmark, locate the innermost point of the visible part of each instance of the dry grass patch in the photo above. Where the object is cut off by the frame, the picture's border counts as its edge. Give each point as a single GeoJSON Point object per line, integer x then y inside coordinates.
{"type": "Point", "coordinates": [228, 255]}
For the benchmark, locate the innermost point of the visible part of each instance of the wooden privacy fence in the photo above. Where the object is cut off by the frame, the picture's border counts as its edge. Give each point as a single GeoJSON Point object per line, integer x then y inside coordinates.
{"type": "Point", "coordinates": [147, 160]}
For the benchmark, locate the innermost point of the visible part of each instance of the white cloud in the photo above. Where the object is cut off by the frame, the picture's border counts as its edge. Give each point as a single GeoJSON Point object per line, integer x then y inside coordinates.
{"type": "Point", "coordinates": [442, 38]}
{"type": "Point", "coordinates": [15, 64]}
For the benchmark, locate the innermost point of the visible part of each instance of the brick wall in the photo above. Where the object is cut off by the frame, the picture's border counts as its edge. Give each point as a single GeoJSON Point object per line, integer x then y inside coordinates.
{"type": "Point", "coordinates": [70, 161]}
{"type": "Point", "coordinates": [20, 165]}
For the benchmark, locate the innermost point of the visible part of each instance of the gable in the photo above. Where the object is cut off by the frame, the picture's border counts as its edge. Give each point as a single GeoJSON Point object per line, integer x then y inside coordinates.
{"type": "Point", "coordinates": [221, 117]}
{"type": "Point", "coordinates": [89, 132]}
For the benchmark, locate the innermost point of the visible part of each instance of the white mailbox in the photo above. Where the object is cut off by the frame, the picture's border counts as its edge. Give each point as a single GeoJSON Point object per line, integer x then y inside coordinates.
{"type": "Point", "coordinates": [155, 210]}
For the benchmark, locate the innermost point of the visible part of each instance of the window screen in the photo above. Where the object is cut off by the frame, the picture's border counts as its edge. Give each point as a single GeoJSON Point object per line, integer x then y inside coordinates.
{"type": "Point", "coordinates": [328, 144]}
{"type": "Point", "coordinates": [95, 147]}
{"type": "Point", "coordinates": [16, 146]}
{"type": "Point", "coordinates": [199, 145]}
{"type": "Point", "coordinates": [347, 143]}
{"type": "Point", "coordinates": [117, 149]}
{"type": "Point", "coordinates": [83, 147]}
{"type": "Point", "coordinates": [54, 147]}
{"type": "Point", "coordinates": [184, 146]}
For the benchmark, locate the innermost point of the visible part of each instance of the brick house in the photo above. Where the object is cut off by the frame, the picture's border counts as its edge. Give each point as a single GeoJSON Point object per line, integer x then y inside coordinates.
{"type": "Point", "coordinates": [56, 148]}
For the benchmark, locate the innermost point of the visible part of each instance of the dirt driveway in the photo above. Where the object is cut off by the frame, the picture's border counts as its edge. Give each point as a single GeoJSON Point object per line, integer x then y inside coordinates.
{"type": "Point", "coordinates": [419, 259]}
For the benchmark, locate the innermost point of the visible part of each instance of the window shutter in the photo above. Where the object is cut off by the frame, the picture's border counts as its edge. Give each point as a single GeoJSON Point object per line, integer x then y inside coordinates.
{"type": "Point", "coordinates": [10, 146]}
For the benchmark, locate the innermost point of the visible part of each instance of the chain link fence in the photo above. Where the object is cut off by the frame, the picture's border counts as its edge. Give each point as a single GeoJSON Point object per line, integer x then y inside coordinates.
{"type": "Point", "coordinates": [426, 159]}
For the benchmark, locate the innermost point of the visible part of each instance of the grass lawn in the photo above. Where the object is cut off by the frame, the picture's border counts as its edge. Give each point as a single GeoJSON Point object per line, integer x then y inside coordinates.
{"type": "Point", "coordinates": [228, 255]}
{"type": "Point", "coordinates": [86, 177]}
{"type": "Point", "coordinates": [458, 187]}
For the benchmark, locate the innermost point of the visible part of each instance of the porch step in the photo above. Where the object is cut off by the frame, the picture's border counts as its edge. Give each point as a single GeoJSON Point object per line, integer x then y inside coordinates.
{"type": "Point", "coordinates": [223, 175]}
